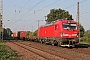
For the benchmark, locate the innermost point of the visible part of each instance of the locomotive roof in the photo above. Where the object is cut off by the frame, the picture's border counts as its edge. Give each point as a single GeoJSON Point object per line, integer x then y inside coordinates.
{"type": "Point", "coordinates": [53, 22]}
{"type": "Point", "coordinates": [49, 24]}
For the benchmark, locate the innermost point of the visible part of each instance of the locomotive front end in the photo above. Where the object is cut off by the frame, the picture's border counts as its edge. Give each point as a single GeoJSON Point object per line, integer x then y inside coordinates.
{"type": "Point", "coordinates": [69, 33]}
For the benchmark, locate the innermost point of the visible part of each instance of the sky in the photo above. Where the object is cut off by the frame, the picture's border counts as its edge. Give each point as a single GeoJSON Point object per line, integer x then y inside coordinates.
{"type": "Point", "coordinates": [24, 14]}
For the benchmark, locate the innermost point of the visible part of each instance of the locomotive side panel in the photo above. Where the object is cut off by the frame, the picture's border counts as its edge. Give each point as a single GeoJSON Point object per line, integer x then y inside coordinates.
{"type": "Point", "coordinates": [47, 31]}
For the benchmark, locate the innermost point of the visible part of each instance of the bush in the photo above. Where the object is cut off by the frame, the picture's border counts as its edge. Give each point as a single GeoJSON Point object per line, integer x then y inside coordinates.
{"type": "Point", "coordinates": [6, 53]}
{"type": "Point", "coordinates": [85, 40]}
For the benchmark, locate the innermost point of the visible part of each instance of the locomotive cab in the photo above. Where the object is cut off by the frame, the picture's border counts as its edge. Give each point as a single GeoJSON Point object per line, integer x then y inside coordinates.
{"type": "Point", "coordinates": [68, 33]}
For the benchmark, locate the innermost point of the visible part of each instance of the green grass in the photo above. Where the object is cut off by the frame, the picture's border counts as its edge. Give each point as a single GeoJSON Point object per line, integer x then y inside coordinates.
{"type": "Point", "coordinates": [6, 53]}
{"type": "Point", "coordinates": [84, 42]}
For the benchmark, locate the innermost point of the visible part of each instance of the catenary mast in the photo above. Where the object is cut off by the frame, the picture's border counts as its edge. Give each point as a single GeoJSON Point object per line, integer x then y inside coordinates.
{"type": "Point", "coordinates": [1, 19]}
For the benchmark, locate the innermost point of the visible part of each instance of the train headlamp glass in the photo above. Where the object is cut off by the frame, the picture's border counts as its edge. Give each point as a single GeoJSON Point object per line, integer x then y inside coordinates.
{"type": "Point", "coordinates": [64, 34]}
{"type": "Point", "coordinates": [74, 34]}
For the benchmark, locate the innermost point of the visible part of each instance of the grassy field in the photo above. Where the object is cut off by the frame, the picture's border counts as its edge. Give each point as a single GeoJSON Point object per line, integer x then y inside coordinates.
{"type": "Point", "coordinates": [84, 42]}
{"type": "Point", "coordinates": [6, 53]}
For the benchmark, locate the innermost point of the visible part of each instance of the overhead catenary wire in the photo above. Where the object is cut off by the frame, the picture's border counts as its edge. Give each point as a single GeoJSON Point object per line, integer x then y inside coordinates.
{"type": "Point", "coordinates": [66, 8]}
{"type": "Point", "coordinates": [73, 5]}
{"type": "Point", "coordinates": [55, 2]}
{"type": "Point", "coordinates": [40, 9]}
{"type": "Point", "coordinates": [46, 6]}
{"type": "Point", "coordinates": [83, 14]}
{"type": "Point", "coordinates": [50, 5]}
{"type": "Point", "coordinates": [13, 4]}
{"type": "Point", "coordinates": [24, 6]}
{"type": "Point", "coordinates": [16, 11]}
{"type": "Point", "coordinates": [19, 12]}
{"type": "Point", "coordinates": [31, 8]}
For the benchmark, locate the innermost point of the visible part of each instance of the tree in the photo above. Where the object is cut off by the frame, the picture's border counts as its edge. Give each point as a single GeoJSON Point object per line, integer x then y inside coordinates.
{"type": "Point", "coordinates": [86, 37]}
{"type": "Point", "coordinates": [32, 34]}
{"type": "Point", "coordinates": [29, 34]}
{"type": "Point", "coordinates": [7, 33]}
{"type": "Point", "coordinates": [82, 30]}
{"type": "Point", "coordinates": [58, 14]}
{"type": "Point", "coordinates": [35, 33]}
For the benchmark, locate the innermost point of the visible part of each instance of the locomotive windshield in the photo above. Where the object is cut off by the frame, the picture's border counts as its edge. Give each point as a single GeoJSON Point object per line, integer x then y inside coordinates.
{"type": "Point", "coordinates": [70, 26]}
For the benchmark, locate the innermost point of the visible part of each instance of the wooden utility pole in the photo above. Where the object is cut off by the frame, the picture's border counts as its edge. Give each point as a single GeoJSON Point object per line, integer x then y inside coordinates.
{"type": "Point", "coordinates": [38, 23]}
{"type": "Point", "coordinates": [77, 19]}
{"type": "Point", "coordinates": [32, 32]}
{"type": "Point", "coordinates": [38, 27]}
{"type": "Point", "coordinates": [46, 19]}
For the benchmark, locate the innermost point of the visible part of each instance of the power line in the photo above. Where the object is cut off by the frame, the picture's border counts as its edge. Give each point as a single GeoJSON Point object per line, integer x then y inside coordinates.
{"type": "Point", "coordinates": [47, 6]}
{"type": "Point", "coordinates": [83, 1]}
{"type": "Point", "coordinates": [12, 3]}
{"type": "Point", "coordinates": [24, 5]}
{"type": "Point", "coordinates": [83, 14]}
{"type": "Point", "coordinates": [40, 9]}
{"type": "Point", "coordinates": [51, 4]}
{"type": "Point", "coordinates": [32, 8]}
{"type": "Point", "coordinates": [65, 8]}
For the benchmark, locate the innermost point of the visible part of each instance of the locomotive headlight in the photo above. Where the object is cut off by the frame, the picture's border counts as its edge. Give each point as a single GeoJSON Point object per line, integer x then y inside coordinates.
{"type": "Point", "coordinates": [65, 34]}
{"type": "Point", "coordinates": [74, 34]}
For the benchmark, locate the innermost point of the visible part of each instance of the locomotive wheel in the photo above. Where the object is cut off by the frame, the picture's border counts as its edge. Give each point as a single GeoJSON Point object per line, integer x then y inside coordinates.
{"type": "Point", "coordinates": [55, 43]}
{"type": "Point", "coordinates": [42, 41]}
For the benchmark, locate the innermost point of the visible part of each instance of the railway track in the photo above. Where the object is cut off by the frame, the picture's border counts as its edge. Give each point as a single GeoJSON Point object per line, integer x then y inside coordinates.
{"type": "Point", "coordinates": [49, 52]}
{"type": "Point", "coordinates": [80, 50]}
{"type": "Point", "coordinates": [25, 54]}
{"type": "Point", "coordinates": [43, 53]}
{"type": "Point", "coordinates": [74, 53]}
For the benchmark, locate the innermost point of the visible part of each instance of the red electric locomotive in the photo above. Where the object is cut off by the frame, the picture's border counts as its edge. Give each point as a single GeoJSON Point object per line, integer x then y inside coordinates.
{"type": "Point", "coordinates": [61, 32]}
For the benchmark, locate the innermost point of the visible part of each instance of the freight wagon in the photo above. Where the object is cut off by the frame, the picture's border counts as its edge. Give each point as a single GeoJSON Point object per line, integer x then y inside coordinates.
{"type": "Point", "coordinates": [61, 32]}
{"type": "Point", "coordinates": [25, 35]}
{"type": "Point", "coordinates": [21, 35]}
